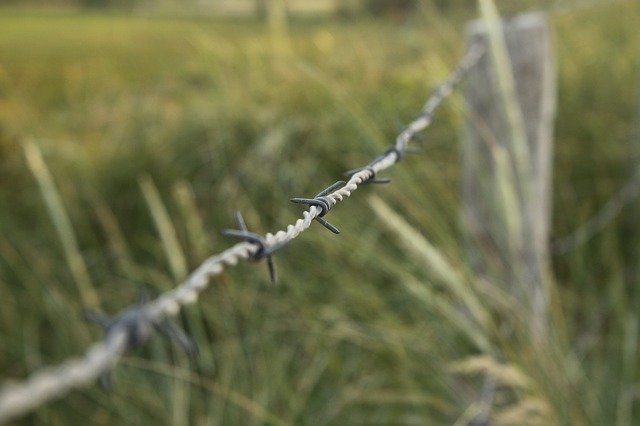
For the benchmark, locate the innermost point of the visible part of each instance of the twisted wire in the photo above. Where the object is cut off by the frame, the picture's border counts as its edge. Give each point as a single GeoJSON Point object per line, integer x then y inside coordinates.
{"type": "Point", "coordinates": [17, 399]}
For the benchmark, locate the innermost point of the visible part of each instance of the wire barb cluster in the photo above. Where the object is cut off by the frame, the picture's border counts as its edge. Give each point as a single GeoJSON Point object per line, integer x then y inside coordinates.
{"type": "Point", "coordinates": [136, 324]}
{"type": "Point", "coordinates": [264, 250]}
{"type": "Point", "coordinates": [138, 328]}
{"type": "Point", "coordinates": [322, 202]}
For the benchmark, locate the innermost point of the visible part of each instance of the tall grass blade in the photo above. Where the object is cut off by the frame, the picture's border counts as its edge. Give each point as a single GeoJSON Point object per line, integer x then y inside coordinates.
{"type": "Point", "coordinates": [172, 249]}
{"type": "Point", "coordinates": [220, 391]}
{"type": "Point", "coordinates": [448, 311]}
{"type": "Point", "coordinates": [113, 233]}
{"type": "Point", "coordinates": [507, 90]}
{"type": "Point", "coordinates": [198, 236]}
{"type": "Point", "coordinates": [178, 264]}
{"type": "Point", "coordinates": [507, 205]}
{"type": "Point", "coordinates": [62, 223]}
{"type": "Point", "coordinates": [435, 262]}
{"type": "Point", "coordinates": [626, 397]}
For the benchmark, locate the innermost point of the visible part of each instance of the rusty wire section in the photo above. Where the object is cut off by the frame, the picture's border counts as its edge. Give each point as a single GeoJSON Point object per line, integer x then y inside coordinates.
{"type": "Point", "coordinates": [134, 325]}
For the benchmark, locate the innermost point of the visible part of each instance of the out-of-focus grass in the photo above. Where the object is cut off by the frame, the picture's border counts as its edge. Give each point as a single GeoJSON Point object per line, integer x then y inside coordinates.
{"type": "Point", "coordinates": [359, 330]}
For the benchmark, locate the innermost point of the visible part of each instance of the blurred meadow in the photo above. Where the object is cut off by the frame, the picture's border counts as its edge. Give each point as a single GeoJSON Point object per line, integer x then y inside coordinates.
{"type": "Point", "coordinates": [129, 137]}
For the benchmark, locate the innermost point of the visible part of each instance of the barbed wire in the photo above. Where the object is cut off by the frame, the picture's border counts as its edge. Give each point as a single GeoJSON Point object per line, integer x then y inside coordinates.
{"type": "Point", "coordinates": [136, 324]}
{"type": "Point", "coordinates": [603, 217]}
{"type": "Point", "coordinates": [626, 195]}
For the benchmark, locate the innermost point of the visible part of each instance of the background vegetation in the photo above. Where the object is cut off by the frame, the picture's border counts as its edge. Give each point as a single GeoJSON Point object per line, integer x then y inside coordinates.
{"type": "Point", "coordinates": [213, 115]}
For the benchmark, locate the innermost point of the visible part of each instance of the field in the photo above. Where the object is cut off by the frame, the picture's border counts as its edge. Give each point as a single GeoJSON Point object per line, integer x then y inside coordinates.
{"type": "Point", "coordinates": [154, 127]}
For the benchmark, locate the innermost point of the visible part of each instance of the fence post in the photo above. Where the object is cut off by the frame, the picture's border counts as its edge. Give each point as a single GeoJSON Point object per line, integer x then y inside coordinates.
{"type": "Point", "coordinates": [506, 179]}
{"type": "Point", "coordinates": [277, 12]}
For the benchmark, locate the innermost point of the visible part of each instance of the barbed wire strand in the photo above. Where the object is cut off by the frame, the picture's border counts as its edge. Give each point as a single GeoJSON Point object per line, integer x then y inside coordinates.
{"type": "Point", "coordinates": [598, 222]}
{"type": "Point", "coordinates": [626, 195]}
{"type": "Point", "coordinates": [136, 323]}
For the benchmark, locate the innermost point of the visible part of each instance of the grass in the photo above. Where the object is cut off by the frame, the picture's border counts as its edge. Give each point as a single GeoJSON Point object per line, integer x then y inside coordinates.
{"type": "Point", "coordinates": [154, 131]}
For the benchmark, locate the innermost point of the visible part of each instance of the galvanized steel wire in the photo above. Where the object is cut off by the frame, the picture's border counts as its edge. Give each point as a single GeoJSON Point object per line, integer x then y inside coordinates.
{"type": "Point", "coordinates": [135, 324]}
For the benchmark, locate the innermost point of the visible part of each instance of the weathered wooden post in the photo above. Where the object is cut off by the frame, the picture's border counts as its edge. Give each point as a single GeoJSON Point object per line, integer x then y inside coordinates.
{"type": "Point", "coordinates": [278, 26]}
{"type": "Point", "coordinates": [507, 157]}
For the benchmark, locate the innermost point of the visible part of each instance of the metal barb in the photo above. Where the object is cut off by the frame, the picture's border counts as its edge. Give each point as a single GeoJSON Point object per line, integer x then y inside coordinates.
{"type": "Point", "coordinates": [331, 188]}
{"type": "Point", "coordinates": [413, 150]}
{"type": "Point", "coordinates": [138, 327]}
{"type": "Point", "coordinates": [133, 320]}
{"type": "Point", "coordinates": [420, 139]}
{"type": "Point", "coordinates": [327, 225]}
{"type": "Point", "coordinates": [178, 337]}
{"type": "Point", "coordinates": [322, 202]}
{"type": "Point", "coordinates": [264, 250]}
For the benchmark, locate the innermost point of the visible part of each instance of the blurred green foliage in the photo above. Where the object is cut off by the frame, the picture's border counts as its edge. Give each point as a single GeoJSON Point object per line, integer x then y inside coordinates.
{"type": "Point", "coordinates": [359, 331]}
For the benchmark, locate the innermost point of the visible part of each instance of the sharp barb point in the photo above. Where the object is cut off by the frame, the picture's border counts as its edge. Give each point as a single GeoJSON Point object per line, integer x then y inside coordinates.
{"type": "Point", "coordinates": [105, 380]}
{"type": "Point", "coordinates": [97, 318]}
{"type": "Point", "coordinates": [380, 181]}
{"type": "Point", "coordinates": [327, 225]}
{"type": "Point", "coordinates": [143, 298]}
{"type": "Point", "coordinates": [177, 337]}
{"type": "Point", "coordinates": [273, 275]}
{"type": "Point", "coordinates": [331, 188]}
{"type": "Point", "coordinates": [240, 221]}
{"type": "Point", "coordinates": [264, 250]}
{"type": "Point", "coordinates": [302, 200]}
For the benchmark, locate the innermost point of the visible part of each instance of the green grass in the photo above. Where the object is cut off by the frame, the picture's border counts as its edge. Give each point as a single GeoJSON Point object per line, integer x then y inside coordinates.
{"type": "Point", "coordinates": [156, 130]}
